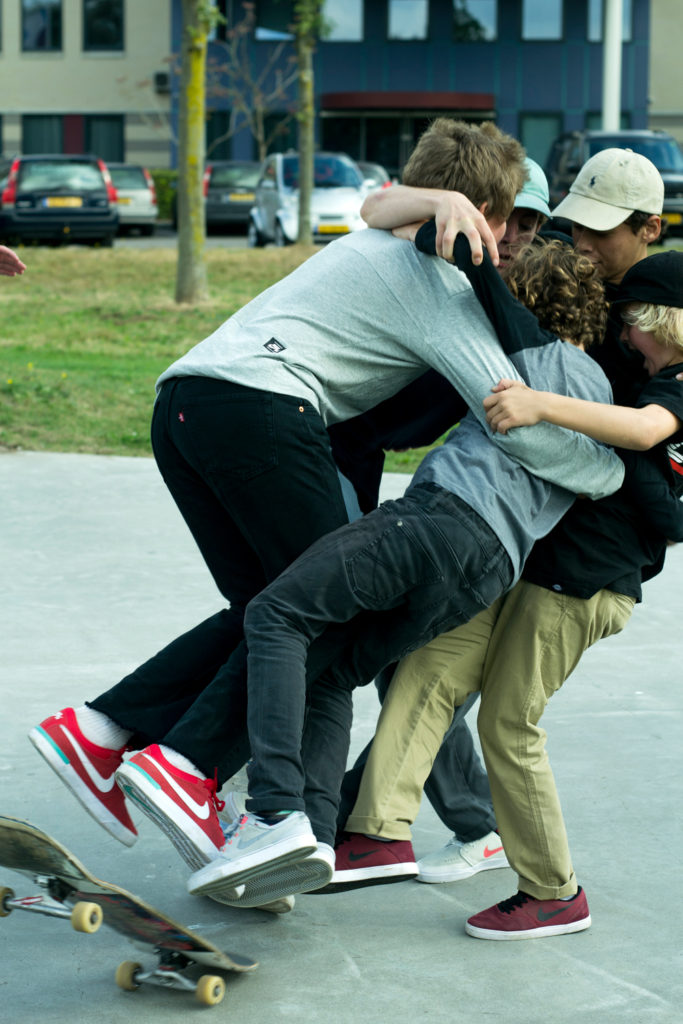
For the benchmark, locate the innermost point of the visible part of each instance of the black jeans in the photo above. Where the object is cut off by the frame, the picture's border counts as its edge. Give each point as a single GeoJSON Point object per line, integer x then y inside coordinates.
{"type": "Point", "coordinates": [253, 477]}
{"type": "Point", "coordinates": [396, 578]}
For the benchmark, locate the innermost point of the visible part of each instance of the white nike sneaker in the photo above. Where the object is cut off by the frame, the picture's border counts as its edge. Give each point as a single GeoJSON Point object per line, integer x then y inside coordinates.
{"type": "Point", "coordinates": [458, 860]}
{"type": "Point", "coordinates": [184, 806]}
{"type": "Point", "coordinates": [283, 882]}
{"type": "Point", "coordinates": [252, 849]}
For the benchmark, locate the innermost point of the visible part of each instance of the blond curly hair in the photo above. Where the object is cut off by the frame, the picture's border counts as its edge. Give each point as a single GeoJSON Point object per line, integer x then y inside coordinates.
{"type": "Point", "coordinates": [562, 289]}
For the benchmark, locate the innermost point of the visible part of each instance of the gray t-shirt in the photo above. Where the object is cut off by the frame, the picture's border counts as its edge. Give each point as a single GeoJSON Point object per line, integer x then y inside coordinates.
{"type": "Point", "coordinates": [361, 319]}
{"type": "Point", "coordinates": [518, 506]}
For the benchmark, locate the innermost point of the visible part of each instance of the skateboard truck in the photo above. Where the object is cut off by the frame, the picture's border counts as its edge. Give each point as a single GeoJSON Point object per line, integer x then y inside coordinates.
{"type": "Point", "coordinates": [84, 917]}
{"type": "Point", "coordinates": [208, 989]}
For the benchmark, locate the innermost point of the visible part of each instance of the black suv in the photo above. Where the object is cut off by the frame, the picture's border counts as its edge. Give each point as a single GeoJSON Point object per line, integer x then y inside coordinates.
{"type": "Point", "coordinates": [57, 198]}
{"type": "Point", "coordinates": [570, 151]}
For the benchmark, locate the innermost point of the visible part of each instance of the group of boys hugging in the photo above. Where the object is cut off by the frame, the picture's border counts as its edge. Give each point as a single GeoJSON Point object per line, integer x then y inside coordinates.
{"type": "Point", "coordinates": [521, 540]}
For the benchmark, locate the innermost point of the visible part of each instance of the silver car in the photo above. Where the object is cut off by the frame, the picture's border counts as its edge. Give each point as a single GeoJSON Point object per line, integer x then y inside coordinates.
{"type": "Point", "coordinates": [338, 193]}
{"type": "Point", "coordinates": [137, 198]}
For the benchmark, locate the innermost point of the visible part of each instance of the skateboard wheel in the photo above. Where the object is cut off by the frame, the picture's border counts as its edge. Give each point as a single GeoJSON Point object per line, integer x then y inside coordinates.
{"type": "Point", "coordinates": [86, 917]}
{"type": "Point", "coordinates": [210, 990]}
{"type": "Point", "coordinates": [125, 975]}
{"type": "Point", "coordinates": [5, 894]}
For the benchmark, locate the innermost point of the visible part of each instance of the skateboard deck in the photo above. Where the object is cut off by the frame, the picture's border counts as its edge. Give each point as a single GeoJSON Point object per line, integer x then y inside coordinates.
{"type": "Point", "coordinates": [72, 891]}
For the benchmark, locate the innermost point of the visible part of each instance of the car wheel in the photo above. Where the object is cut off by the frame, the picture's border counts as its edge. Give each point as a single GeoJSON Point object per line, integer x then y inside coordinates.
{"type": "Point", "coordinates": [280, 236]}
{"type": "Point", "coordinates": [255, 239]}
{"type": "Point", "coordinates": [107, 241]}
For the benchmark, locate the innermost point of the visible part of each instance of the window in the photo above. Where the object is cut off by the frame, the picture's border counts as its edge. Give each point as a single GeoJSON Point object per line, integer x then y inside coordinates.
{"type": "Point", "coordinates": [103, 24]}
{"type": "Point", "coordinates": [217, 140]}
{"type": "Point", "coordinates": [104, 136]}
{"type": "Point", "coordinates": [596, 12]}
{"type": "Point", "coordinates": [537, 132]}
{"type": "Point", "coordinates": [41, 25]}
{"type": "Point", "coordinates": [408, 19]}
{"type": "Point", "coordinates": [41, 133]}
{"type": "Point", "coordinates": [273, 20]}
{"type": "Point", "coordinates": [474, 20]}
{"type": "Point", "coordinates": [594, 120]}
{"type": "Point", "coordinates": [346, 20]}
{"type": "Point", "coordinates": [541, 19]}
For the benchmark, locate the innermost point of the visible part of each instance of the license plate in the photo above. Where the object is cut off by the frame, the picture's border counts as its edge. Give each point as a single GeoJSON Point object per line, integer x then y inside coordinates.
{"type": "Point", "coordinates": [63, 201]}
{"type": "Point", "coordinates": [124, 200]}
{"type": "Point", "coordinates": [239, 197]}
{"type": "Point", "coordinates": [332, 229]}
{"type": "Point", "coordinates": [673, 218]}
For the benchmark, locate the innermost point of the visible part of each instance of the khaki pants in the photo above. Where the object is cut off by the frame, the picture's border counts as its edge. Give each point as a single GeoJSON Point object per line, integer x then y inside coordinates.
{"type": "Point", "coordinates": [518, 653]}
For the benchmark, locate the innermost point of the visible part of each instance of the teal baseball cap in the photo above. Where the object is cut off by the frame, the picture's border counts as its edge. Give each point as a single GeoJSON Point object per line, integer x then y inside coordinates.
{"type": "Point", "coordinates": [534, 194]}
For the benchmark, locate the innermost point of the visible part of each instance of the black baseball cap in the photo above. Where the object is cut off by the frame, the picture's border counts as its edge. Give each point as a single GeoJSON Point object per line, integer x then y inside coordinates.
{"type": "Point", "coordinates": [657, 279]}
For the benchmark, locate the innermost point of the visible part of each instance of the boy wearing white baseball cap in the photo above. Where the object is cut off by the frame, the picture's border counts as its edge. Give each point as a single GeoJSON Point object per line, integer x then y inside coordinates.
{"type": "Point", "coordinates": [615, 206]}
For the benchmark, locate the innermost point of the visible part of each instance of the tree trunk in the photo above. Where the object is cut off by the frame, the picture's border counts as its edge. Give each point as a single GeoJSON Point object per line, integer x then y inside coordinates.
{"type": "Point", "coordinates": [191, 281]}
{"type": "Point", "coordinates": [304, 50]}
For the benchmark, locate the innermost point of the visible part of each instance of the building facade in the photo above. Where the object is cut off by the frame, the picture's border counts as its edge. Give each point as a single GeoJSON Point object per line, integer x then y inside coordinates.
{"type": "Point", "coordinates": [388, 66]}
{"type": "Point", "coordinates": [97, 75]}
{"type": "Point", "coordinates": [86, 75]}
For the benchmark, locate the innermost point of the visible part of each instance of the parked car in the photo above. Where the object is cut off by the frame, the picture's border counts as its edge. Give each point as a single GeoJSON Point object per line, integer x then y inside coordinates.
{"type": "Point", "coordinates": [137, 197]}
{"type": "Point", "coordinates": [229, 189]}
{"type": "Point", "coordinates": [570, 151]}
{"type": "Point", "coordinates": [377, 175]}
{"type": "Point", "coordinates": [336, 199]}
{"type": "Point", "coordinates": [57, 198]}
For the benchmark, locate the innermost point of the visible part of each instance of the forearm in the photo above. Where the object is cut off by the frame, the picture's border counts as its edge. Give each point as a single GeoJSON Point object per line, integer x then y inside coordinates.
{"type": "Point", "coordinates": [398, 205]}
{"type": "Point", "coordinates": [618, 425]}
{"type": "Point", "coordinates": [568, 459]}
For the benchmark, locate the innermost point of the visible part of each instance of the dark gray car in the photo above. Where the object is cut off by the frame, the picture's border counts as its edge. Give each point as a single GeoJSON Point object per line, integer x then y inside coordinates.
{"type": "Point", "coordinates": [570, 151]}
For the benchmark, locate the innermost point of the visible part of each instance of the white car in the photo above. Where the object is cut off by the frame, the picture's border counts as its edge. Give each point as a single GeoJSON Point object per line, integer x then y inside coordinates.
{"type": "Point", "coordinates": [137, 197]}
{"type": "Point", "coordinates": [338, 193]}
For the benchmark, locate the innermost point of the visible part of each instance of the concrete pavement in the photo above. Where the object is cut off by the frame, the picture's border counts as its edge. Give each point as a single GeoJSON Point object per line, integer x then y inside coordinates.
{"type": "Point", "coordinates": [99, 572]}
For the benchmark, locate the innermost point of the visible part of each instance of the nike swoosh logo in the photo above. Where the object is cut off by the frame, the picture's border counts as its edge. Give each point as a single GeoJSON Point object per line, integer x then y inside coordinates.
{"type": "Point", "coordinates": [490, 853]}
{"type": "Point", "coordinates": [199, 810]}
{"type": "Point", "coordinates": [545, 916]}
{"type": "Point", "coordinates": [99, 781]}
{"type": "Point", "coordinates": [360, 856]}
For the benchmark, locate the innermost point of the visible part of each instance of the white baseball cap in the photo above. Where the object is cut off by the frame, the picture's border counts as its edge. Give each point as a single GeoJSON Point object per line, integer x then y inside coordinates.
{"type": "Point", "coordinates": [610, 187]}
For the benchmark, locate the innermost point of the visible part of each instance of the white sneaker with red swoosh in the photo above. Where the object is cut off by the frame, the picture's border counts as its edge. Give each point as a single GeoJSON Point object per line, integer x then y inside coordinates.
{"type": "Point", "coordinates": [87, 770]}
{"type": "Point", "coordinates": [458, 860]}
{"type": "Point", "coordinates": [184, 806]}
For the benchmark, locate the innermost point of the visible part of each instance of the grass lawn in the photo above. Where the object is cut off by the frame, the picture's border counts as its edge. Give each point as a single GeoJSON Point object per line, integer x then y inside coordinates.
{"type": "Point", "coordinates": [86, 332]}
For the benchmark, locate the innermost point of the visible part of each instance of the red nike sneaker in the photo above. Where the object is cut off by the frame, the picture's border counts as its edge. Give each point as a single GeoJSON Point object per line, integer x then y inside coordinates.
{"type": "Point", "coordinates": [523, 917]}
{"type": "Point", "coordinates": [87, 770]}
{"type": "Point", "coordinates": [184, 806]}
{"type": "Point", "coordinates": [360, 861]}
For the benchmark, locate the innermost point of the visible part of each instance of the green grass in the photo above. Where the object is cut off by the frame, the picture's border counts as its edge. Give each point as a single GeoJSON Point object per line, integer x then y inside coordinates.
{"type": "Point", "coordinates": [86, 332]}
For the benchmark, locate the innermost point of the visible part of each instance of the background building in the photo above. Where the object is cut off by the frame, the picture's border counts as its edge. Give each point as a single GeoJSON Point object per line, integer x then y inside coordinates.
{"type": "Point", "coordinates": [86, 75]}
{"type": "Point", "coordinates": [666, 67]}
{"type": "Point", "coordinates": [97, 74]}
{"type": "Point", "coordinates": [388, 66]}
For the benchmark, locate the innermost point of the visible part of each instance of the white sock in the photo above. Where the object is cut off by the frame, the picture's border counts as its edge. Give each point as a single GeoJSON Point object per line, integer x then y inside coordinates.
{"type": "Point", "coordinates": [100, 729]}
{"type": "Point", "coordinates": [180, 761]}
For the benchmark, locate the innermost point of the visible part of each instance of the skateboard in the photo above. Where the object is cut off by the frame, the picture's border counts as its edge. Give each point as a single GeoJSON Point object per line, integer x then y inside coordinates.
{"type": "Point", "coordinates": [72, 892]}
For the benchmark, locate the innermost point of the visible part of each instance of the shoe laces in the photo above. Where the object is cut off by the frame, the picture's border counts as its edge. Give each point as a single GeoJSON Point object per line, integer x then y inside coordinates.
{"type": "Point", "coordinates": [513, 903]}
{"type": "Point", "coordinates": [212, 786]}
{"type": "Point", "coordinates": [232, 830]}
